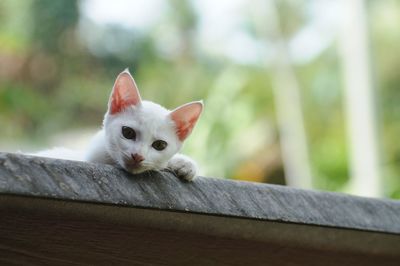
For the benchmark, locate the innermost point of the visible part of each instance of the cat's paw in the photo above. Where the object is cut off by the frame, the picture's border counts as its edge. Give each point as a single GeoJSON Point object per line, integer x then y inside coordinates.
{"type": "Point", "coordinates": [183, 167]}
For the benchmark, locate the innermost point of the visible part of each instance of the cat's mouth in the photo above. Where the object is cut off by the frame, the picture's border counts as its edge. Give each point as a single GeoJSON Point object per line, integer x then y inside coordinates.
{"type": "Point", "coordinates": [135, 168]}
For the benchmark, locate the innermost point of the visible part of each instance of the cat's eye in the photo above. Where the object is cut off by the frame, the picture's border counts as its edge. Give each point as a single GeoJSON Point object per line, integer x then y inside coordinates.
{"type": "Point", "coordinates": [159, 145]}
{"type": "Point", "coordinates": [128, 133]}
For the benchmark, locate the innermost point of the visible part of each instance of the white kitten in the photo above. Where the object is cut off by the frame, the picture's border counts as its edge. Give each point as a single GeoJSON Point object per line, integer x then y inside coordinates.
{"type": "Point", "coordinates": [141, 135]}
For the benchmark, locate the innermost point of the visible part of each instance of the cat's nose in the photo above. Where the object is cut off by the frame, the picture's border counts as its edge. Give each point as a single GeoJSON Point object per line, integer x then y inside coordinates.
{"type": "Point", "coordinates": [137, 158]}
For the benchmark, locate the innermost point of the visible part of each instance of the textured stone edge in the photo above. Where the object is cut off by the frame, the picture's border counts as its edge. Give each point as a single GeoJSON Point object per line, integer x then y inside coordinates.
{"type": "Point", "coordinates": [87, 182]}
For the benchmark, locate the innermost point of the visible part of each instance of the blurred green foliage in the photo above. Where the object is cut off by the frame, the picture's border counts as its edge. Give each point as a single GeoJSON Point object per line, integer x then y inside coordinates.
{"type": "Point", "coordinates": [51, 81]}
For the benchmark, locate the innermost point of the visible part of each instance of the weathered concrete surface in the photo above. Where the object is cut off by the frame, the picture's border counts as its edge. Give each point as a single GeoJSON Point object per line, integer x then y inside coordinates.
{"type": "Point", "coordinates": [58, 179]}
{"type": "Point", "coordinates": [68, 213]}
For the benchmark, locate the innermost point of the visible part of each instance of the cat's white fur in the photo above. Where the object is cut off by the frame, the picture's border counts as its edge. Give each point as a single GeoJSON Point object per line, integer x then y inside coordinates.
{"type": "Point", "coordinates": [151, 122]}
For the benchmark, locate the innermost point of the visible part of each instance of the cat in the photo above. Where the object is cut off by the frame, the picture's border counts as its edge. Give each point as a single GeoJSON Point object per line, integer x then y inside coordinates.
{"type": "Point", "coordinates": [140, 135]}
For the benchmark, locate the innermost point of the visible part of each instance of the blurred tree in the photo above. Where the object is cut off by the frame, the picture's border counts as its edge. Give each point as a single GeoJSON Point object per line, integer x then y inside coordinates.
{"type": "Point", "coordinates": [51, 20]}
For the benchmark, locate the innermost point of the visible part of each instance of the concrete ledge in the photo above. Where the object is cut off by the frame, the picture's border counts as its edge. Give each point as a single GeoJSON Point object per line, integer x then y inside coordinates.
{"type": "Point", "coordinates": [282, 226]}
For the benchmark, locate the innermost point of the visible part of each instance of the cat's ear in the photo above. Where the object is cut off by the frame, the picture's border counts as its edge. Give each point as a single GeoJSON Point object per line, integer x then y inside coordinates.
{"type": "Point", "coordinates": [125, 93]}
{"type": "Point", "coordinates": [185, 118]}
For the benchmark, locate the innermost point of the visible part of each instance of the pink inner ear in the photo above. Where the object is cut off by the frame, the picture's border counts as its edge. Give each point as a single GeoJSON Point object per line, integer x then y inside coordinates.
{"type": "Point", "coordinates": [185, 118]}
{"type": "Point", "coordinates": [125, 93]}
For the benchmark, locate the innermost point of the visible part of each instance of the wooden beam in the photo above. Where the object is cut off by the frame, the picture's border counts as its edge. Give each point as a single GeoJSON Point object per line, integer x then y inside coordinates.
{"type": "Point", "coordinates": [64, 213]}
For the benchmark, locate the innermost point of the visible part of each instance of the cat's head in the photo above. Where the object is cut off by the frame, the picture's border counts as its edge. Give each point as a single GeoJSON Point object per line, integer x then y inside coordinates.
{"type": "Point", "coordinates": [142, 135]}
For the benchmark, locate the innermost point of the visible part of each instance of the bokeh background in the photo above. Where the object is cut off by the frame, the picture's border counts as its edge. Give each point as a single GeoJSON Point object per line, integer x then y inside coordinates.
{"type": "Point", "coordinates": [302, 93]}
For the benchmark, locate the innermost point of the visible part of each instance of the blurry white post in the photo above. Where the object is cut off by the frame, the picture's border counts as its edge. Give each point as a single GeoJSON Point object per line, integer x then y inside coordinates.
{"type": "Point", "coordinates": [359, 101]}
{"type": "Point", "coordinates": [288, 103]}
